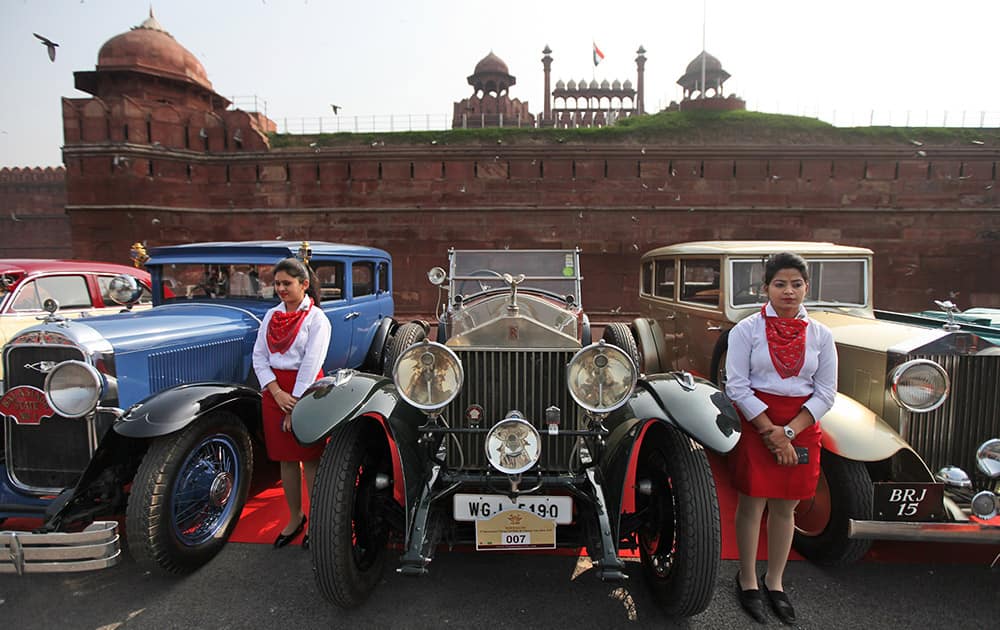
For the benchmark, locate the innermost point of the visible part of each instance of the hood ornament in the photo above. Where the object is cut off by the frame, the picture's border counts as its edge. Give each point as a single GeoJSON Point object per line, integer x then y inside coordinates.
{"type": "Point", "coordinates": [513, 281]}
{"type": "Point", "coordinates": [950, 308]}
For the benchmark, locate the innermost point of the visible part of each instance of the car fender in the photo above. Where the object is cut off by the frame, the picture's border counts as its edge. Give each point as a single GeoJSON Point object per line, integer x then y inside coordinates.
{"type": "Point", "coordinates": [373, 360]}
{"type": "Point", "coordinates": [854, 431]}
{"type": "Point", "coordinates": [692, 404]}
{"type": "Point", "coordinates": [350, 396]}
{"type": "Point", "coordinates": [173, 409]}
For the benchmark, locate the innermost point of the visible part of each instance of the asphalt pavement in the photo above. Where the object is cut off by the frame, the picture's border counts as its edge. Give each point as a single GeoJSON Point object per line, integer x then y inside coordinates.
{"type": "Point", "coordinates": [256, 586]}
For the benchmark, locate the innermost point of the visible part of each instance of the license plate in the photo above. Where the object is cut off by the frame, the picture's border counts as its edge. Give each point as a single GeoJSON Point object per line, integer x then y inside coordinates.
{"type": "Point", "coordinates": [481, 507]}
{"type": "Point", "coordinates": [515, 529]}
{"type": "Point", "coordinates": [909, 501]}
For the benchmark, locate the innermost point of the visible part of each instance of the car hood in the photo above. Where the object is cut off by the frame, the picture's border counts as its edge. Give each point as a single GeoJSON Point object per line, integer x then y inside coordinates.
{"type": "Point", "coordinates": [899, 338]}
{"type": "Point", "coordinates": [172, 324]}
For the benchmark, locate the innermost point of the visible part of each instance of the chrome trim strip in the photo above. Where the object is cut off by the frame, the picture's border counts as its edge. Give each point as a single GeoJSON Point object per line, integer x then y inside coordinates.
{"type": "Point", "coordinates": [966, 532]}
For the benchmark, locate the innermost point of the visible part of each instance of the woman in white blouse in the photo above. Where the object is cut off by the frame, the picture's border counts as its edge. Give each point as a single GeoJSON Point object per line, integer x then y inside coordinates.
{"type": "Point", "coordinates": [781, 372]}
{"type": "Point", "coordinates": [288, 357]}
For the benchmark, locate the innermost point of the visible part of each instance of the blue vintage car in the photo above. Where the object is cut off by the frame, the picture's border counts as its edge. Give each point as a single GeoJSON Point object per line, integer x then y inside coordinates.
{"type": "Point", "coordinates": [153, 414]}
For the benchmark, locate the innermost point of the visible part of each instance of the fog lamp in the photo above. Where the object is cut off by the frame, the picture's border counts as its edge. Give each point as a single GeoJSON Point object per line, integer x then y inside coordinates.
{"type": "Point", "coordinates": [988, 458]}
{"type": "Point", "coordinates": [601, 377]}
{"type": "Point", "coordinates": [73, 388]}
{"type": "Point", "coordinates": [428, 375]}
{"type": "Point", "coordinates": [920, 385]}
{"type": "Point", "coordinates": [984, 504]}
{"type": "Point", "coordinates": [513, 446]}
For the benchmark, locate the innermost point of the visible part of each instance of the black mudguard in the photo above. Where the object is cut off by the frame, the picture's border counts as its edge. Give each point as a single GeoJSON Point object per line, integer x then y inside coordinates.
{"type": "Point", "coordinates": [677, 399]}
{"type": "Point", "coordinates": [347, 396]}
{"type": "Point", "coordinates": [173, 409]}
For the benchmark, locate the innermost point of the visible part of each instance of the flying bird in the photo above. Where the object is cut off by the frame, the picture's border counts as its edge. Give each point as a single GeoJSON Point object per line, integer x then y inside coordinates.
{"type": "Point", "coordinates": [49, 45]}
{"type": "Point", "coordinates": [335, 108]}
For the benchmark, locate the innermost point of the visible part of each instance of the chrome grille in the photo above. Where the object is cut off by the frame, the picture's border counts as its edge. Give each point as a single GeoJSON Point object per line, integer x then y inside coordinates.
{"type": "Point", "coordinates": [950, 434]}
{"type": "Point", "coordinates": [52, 454]}
{"type": "Point", "coordinates": [526, 380]}
{"type": "Point", "coordinates": [216, 361]}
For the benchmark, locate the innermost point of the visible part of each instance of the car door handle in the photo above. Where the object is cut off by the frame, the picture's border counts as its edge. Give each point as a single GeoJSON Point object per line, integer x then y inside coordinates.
{"type": "Point", "coordinates": [351, 315]}
{"type": "Point", "coordinates": [712, 328]}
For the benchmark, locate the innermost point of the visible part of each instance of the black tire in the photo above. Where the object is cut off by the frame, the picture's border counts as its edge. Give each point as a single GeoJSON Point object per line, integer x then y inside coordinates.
{"type": "Point", "coordinates": [406, 335]}
{"type": "Point", "coordinates": [680, 542]}
{"type": "Point", "coordinates": [619, 334]}
{"type": "Point", "coordinates": [718, 369]}
{"type": "Point", "coordinates": [844, 492]}
{"type": "Point", "coordinates": [348, 536]}
{"type": "Point", "coordinates": [188, 494]}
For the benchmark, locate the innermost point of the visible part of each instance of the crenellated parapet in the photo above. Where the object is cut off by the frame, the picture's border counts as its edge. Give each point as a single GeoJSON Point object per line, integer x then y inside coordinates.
{"type": "Point", "coordinates": [36, 174]}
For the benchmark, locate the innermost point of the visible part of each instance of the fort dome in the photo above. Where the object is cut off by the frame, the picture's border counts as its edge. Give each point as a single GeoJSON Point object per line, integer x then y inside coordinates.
{"type": "Point", "coordinates": [150, 49]}
{"type": "Point", "coordinates": [711, 63]}
{"type": "Point", "coordinates": [491, 63]}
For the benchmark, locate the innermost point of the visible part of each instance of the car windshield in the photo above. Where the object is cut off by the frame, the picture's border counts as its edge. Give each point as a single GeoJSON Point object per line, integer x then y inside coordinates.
{"type": "Point", "coordinates": [556, 271]}
{"type": "Point", "coordinates": [832, 282]}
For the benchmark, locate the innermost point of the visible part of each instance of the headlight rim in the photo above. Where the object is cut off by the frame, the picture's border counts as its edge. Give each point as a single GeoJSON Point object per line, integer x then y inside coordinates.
{"type": "Point", "coordinates": [424, 343]}
{"type": "Point", "coordinates": [136, 289]}
{"type": "Point", "coordinates": [901, 369]}
{"type": "Point", "coordinates": [601, 344]}
{"type": "Point", "coordinates": [95, 399]}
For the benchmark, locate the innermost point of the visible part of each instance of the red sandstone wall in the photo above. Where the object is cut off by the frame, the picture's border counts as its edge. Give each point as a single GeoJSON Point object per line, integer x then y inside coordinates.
{"type": "Point", "coordinates": [33, 221]}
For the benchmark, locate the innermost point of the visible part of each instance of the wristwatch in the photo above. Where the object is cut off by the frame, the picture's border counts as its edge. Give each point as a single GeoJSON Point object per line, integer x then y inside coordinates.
{"type": "Point", "coordinates": [789, 431]}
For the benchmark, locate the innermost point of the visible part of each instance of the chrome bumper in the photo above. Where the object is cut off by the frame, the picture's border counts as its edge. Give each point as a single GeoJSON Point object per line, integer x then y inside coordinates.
{"type": "Point", "coordinates": [964, 532]}
{"type": "Point", "coordinates": [96, 547]}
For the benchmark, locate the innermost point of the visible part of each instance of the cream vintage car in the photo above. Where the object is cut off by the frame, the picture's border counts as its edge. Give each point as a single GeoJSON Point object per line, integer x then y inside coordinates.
{"type": "Point", "coordinates": [918, 405]}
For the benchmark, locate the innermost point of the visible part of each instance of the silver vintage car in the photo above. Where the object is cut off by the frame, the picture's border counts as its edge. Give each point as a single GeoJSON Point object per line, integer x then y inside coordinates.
{"type": "Point", "coordinates": [515, 430]}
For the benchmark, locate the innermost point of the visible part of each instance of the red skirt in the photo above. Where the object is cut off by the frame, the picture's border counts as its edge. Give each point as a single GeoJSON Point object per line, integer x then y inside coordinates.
{"type": "Point", "coordinates": [282, 445]}
{"type": "Point", "coordinates": [755, 471]}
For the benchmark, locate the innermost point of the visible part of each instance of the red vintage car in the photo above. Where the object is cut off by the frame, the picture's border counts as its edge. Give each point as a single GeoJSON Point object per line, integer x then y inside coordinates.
{"type": "Point", "coordinates": [80, 287]}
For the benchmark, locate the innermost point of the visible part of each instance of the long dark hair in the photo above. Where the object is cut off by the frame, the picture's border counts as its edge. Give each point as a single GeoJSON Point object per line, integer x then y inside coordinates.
{"type": "Point", "coordinates": [785, 260]}
{"type": "Point", "coordinates": [298, 269]}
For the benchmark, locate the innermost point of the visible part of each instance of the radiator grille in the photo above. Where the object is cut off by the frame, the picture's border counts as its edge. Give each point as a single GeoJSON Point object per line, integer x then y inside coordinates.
{"type": "Point", "coordinates": [216, 361]}
{"type": "Point", "coordinates": [52, 454]}
{"type": "Point", "coordinates": [950, 434]}
{"type": "Point", "coordinates": [526, 380]}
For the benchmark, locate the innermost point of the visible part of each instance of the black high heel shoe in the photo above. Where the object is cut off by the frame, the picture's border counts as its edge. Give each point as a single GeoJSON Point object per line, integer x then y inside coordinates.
{"type": "Point", "coordinates": [284, 539]}
{"type": "Point", "coordinates": [780, 603]}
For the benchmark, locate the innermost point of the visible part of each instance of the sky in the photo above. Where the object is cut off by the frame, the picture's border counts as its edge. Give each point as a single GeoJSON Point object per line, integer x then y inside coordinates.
{"type": "Point", "coordinates": [837, 60]}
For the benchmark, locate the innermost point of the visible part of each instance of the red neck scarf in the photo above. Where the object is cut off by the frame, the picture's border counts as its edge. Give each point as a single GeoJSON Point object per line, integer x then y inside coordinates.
{"type": "Point", "coordinates": [786, 341]}
{"type": "Point", "coordinates": [283, 328]}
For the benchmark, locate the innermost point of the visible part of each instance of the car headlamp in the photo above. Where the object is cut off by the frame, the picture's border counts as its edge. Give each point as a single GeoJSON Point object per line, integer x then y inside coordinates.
{"type": "Point", "coordinates": [513, 446]}
{"type": "Point", "coordinates": [601, 377]}
{"type": "Point", "coordinates": [988, 458]}
{"type": "Point", "coordinates": [920, 385]}
{"type": "Point", "coordinates": [124, 289]}
{"type": "Point", "coordinates": [428, 375]}
{"type": "Point", "coordinates": [73, 388]}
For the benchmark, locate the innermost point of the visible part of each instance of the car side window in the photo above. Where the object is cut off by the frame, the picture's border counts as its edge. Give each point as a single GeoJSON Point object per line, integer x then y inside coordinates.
{"type": "Point", "coordinates": [331, 280]}
{"type": "Point", "coordinates": [646, 288]}
{"type": "Point", "coordinates": [383, 278]}
{"type": "Point", "coordinates": [665, 278]}
{"type": "Point", "coordinates": [363, 278]}
{"type": "Point", "coordinates": [69, 291]}
{"type": "Point", "coordinates": [700, 281]}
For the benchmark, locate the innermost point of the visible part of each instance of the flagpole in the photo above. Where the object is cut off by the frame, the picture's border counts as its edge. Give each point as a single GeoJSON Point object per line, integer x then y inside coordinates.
{"type": "Point", "coordinates": [704, 11]}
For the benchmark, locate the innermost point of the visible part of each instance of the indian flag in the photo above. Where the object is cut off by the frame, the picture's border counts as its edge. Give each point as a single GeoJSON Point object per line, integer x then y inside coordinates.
{"type": "Point", "coordinates": [598, 55]}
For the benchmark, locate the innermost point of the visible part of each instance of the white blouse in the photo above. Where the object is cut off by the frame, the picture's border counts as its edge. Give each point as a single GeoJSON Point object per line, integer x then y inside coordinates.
{"type": "Point", "coordinates": [749, 367]}
{"type": "Point", "coordinates": [306, 353]}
